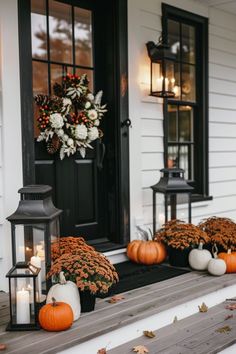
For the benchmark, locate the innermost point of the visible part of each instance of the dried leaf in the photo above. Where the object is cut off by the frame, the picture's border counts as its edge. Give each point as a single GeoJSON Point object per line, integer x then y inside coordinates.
{"type": "Point", "coordinates": [228, 317]}
{"type": "Point", "coordinates": [2, 346]}
{"type": "Point", "coordinates": [231, 307]}
{"type": "Point", "coordinates": [224, 329]}
{"type": "Point", "coordinates": [149, 334]}
{"type": "Point", "coordinates": [203, 307]}
{"type": "Point", "coordinates": [175, 319]}
{"type": "Point", "coordinates": [140, 349]}
{"type": "Point", "coordinates": [102, 351]}
{"type": "Point", "coordinates": [115, 299]}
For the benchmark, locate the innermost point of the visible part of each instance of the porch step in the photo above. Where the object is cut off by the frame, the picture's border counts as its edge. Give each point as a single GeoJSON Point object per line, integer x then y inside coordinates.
{"type": "Point", "coordinates": [110, 325]}
{"type": "Point", "coordinates": [197, 334]}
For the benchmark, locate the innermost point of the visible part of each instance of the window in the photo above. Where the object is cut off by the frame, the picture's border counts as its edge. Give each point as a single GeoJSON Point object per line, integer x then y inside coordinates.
{"type": "Point", "coordinates": [186, 115]}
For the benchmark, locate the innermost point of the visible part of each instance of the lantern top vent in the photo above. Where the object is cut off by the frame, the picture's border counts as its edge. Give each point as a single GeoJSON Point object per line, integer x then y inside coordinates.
{"type": "Point", "coordinates": [172, 181]}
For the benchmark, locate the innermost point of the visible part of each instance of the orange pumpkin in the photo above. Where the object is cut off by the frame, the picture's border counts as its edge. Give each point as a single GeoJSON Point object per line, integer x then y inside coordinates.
{"type": "Point", "coordinates": [230, 260]}
{"type": "Point", "coordinates": [146, 252]}
{"type": "Point", "coordinates": [56, 316]}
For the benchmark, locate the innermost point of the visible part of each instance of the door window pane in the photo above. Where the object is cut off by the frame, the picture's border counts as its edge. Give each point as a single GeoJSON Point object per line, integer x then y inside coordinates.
{"type": "Point", "coordinates": [40, 78]}
{"type": "Point", "coordinates": [188, 44]}
{"type": "Point", "coordinates": [60, 32]}
{"type": "Point", "coordinates": [89, 73]}
{"type": "Point", "coordinates": [38, 29]}
{"type": "Point", "coordinates": [83, 37]}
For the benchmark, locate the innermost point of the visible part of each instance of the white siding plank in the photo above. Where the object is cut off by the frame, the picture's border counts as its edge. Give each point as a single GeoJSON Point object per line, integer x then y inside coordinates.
{"type": "Point", "coordinates": [219, 86]}
{"type": "Point", "coordinates": [217, 56]}
{"type": "Point", "coordinates": [152, 161]}
{"type": "Point", "coordinates": [222, 19]}
{"type": "Point", "coordinates": [223, 44]}
{"type": "Point", "coordinates": [222, 144]}
{"type": "Point", "coordinates": [152, 127]}
{"type": "Point", "coordinates": [152, 144]}
{"type": "Point", "coordinates": [222, 189]}
{"type": "Point", "coordinates": [222, 130]}
{"type": "Point", "coordinates": [222, 174]}
{"type": "Point", "coordinates": [222, 72]}
{"type": "Point", "coordinates": [223, 101]}
{"type": "Point", "coordinates": [216, 30]}
{"type": "Point", "coordinates": [221, 116]}
{"type": "Point", "coordinates": [149, 178]}
{"type": "Point", "coordinates": [150, 20]}
{"type": "Point", "coordinates": [220, 159]}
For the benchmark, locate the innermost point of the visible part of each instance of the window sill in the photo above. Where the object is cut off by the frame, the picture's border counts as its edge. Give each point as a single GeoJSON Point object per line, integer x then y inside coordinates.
{"type": "Point", "coordinates": [200, 198]}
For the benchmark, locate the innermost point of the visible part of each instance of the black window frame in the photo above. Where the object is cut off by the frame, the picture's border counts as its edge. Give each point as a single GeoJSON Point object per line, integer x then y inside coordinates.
{"type": "Point", "coordinates": [201, 106]}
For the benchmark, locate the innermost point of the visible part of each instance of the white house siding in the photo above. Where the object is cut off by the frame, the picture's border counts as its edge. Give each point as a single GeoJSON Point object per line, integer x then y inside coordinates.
{"type": "Point", "coordinates": [10, 129]}
{"type": "Point", "coordinates": [146, 136]}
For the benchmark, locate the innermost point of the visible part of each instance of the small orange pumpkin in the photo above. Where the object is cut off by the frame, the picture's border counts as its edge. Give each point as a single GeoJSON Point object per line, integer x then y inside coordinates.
{"type": "Point", "coordinates": [56, 316]}
{"type": "Point", "coordinates": [230, 260]}
{"type": "Point", "coordinates": [146, 252]}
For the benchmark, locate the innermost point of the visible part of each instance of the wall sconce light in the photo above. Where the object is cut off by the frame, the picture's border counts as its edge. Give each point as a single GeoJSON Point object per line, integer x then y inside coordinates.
{"type": "Point", "coordinates": [162, 83]}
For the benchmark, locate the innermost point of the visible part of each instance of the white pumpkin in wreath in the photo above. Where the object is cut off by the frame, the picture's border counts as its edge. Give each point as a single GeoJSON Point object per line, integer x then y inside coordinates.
{"type": "Point", "coordinates": [66, 291]}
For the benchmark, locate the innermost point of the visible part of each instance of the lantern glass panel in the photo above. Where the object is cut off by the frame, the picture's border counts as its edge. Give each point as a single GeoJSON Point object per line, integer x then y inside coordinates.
{"type": "Point", "coordinates": [177, 206]}
{"type": "Point", "coordinates": [22, 290]}
{"type": "Point", "coordinates": [157, 79]}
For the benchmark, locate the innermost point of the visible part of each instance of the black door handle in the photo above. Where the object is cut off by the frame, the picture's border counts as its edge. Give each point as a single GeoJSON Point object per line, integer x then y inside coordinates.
{"type": "Point", "coordinates": [126, 123]}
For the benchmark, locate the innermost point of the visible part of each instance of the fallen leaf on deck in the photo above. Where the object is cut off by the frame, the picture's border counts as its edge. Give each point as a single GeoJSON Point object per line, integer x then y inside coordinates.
{"type": "Point", "coordinates": [102, 351]}
{"type": "Point", "coordinates": [203, 307]}
{"type": "Point", "coordinates": [3, 346]}
{"type": "Point", "coordinates": [175, 319]}
{"type": "Point", "coordinates": [115, 299]}
{"type": "Point", "coordinates": [140, 349]}
{"type": "Point", "coordinates": [231, 307]}
{"type": "Point", "coordinates": [224, 329]}
{"type": "Point", "coordinates": [149, 334]}
{"type": "Point", "coordinates": [228, 317]}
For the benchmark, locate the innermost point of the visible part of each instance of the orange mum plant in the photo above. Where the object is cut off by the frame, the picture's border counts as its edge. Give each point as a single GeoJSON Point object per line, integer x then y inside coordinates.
{"type": "Point", "coordinates": [69, 244]}
{"type": "Point", "coordinates": [87, 268]}
{"type": "Point", "coordinates": [222, 231]}
{"type": "Point", "coordinates": [180, 235]}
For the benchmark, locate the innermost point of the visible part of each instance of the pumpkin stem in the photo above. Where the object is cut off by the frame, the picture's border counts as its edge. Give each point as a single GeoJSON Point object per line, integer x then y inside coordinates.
{"type": "Point", "coordinates": [54, 302]}
{"type": "Point", "coordinates": [215, 251]}
{"type": "Point", "coordinates": [229, 251]}
{"type": "Point", "coordinates": [200, 246]}
{"type": "Point", "coordinates": [62, 279]}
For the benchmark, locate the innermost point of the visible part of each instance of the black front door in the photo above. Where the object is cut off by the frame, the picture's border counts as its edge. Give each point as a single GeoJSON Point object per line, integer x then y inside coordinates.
{"type": "Point", "coordinates": [84, 37]}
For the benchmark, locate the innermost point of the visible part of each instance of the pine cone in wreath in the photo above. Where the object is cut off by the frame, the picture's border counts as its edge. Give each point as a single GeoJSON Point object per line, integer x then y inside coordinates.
{"type": "Point", "coordinates": [53, 145]}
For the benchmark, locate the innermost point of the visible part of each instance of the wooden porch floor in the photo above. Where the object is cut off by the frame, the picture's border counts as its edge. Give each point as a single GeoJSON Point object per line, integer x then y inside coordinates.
{"type": "Point", "coordinates": [137, 304]}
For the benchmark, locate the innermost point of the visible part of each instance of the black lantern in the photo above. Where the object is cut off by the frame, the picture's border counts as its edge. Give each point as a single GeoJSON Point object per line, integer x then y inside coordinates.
{"type": "Point", "coordinates": [35, 230]}
{"type": "Point", "coordinates": [176, 191]}
{"type": "Point", "coordinates": [24, 297]}
{"type": "Point", "coordinates": [163, 82]}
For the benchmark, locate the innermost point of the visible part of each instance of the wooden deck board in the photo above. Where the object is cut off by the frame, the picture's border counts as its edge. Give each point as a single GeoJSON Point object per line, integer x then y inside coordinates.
{"type": "Point", "coordinates": [138, 304]}
{"type": "Point", "coordinates": [196, 334]}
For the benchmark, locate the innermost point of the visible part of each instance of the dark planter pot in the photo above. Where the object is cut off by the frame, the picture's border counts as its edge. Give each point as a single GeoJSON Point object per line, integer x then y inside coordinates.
{"type": "Point", "coordinates": [87, 301]}
{"type": "Point", "coordinates": [178, 257]}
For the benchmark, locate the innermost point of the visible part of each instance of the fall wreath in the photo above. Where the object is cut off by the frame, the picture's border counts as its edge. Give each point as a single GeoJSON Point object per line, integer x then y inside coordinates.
{"type": "Point", "coordinates": [68, 120]}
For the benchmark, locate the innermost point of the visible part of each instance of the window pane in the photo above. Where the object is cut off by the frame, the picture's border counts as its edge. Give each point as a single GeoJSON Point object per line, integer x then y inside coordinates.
{"type": "Point", "coordinates": [89, 74]}
{"type": "Point", "coordinates": [83, 37]}
{"type": "Point", "coordinates": [172, 156]}
{"type": "Point", "coordinates": [38, 29]}
{"type": "Point", "coordinates": [188, 44]}
{"type": "Point", "coordinates": [174, 37]}
{"type": "Point", "coordinates": [57, 73]}
{"type": "Point", "coordinates": [40, 78]}
{"type": "Point", "coordinates": [186, 160]}
{"type": "Point", "coordinates": [60, 31]}
{"type": "Point", "coordinates": [172, 128]}
{"type": "Point", "coordinates": [188, 83]}
{"type": "Point", "coordinates": [173, 76]}
{"type": "Point", "coordinates": [185, 123]}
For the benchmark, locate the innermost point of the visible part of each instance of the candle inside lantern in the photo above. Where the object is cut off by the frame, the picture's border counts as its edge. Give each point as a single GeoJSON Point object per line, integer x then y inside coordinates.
{"type": "Point", "coordinates": [36, 261]}
{"type": "Point", "coordinates": [161, 219]}
{"type": "Point", "coordinates": [22, 306]}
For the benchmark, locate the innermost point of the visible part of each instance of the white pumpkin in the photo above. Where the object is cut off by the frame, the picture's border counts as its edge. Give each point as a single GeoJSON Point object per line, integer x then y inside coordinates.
{"type": "Point", "coordinates": [216, 266]}
{"type": "Point", "coordinates": [199, 258]}
{"type": "Point", "coordinates": [66, 291]}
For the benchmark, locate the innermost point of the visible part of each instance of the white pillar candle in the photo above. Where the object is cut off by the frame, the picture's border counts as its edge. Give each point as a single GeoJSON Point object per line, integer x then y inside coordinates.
{"type": "Point", "coordinates": [159, 83]}
{"type": "Point", "coordinates": [36, 261]}
{"type": "Point", "coordinates": [22, 306]}
{"type": "Point", "coordinates": [161, 219]}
